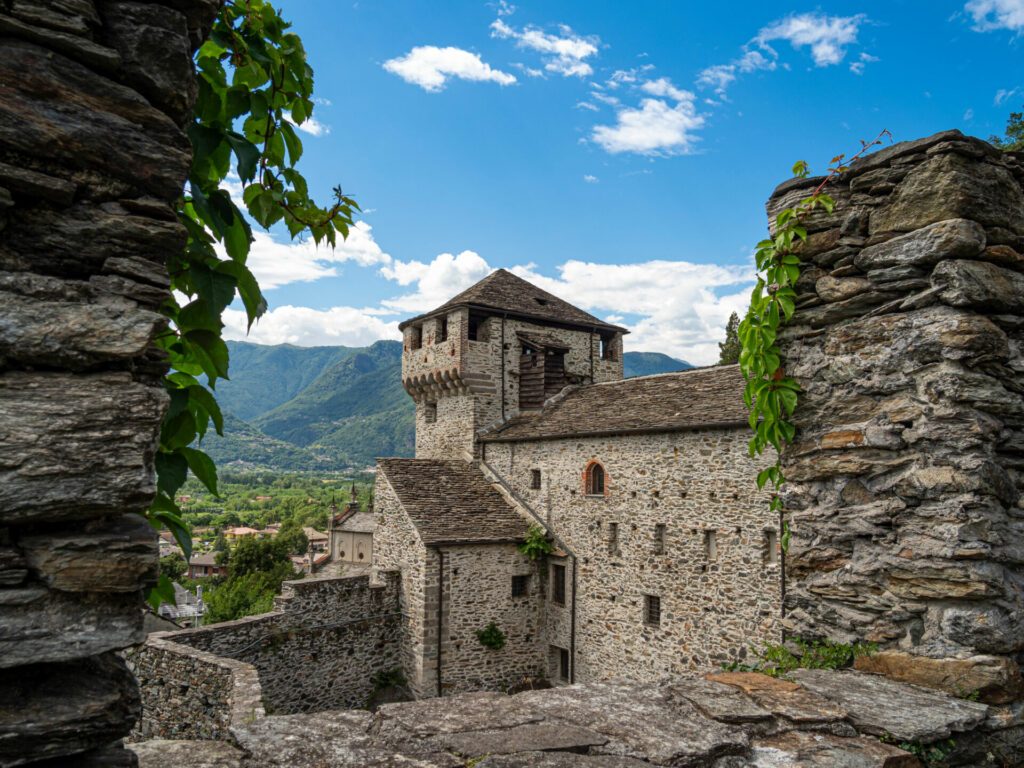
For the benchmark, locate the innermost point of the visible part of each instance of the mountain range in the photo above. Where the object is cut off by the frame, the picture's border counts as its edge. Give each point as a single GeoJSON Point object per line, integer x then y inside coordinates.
{"type": "Point", "coordinates": [329, 408]}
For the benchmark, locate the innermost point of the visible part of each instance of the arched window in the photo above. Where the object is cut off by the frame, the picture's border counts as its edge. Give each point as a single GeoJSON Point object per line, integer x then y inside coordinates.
{"type": "Point", "coordinates": [595, 480]}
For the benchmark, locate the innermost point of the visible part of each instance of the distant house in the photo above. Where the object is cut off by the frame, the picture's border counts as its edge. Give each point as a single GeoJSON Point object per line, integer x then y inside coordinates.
{"type": "Point", "coordinates": [234, 534]}
{"type": "Point", "coordinates": [205, 565]}
{"type": "Point", "coordinates": [317, 540]}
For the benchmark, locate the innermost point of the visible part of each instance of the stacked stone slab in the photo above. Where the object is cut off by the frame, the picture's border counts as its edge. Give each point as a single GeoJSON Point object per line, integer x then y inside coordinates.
{"type": "Point", "coordinates": [905, 478]}
{"type": "Point", "coordinates": [94, 95]}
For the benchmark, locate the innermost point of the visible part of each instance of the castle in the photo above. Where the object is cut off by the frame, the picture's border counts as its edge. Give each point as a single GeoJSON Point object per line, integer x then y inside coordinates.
{"type": "Point", "coordinates": [666, 556]}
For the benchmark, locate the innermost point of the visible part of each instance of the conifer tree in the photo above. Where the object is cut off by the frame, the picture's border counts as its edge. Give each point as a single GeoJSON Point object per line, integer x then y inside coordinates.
{"type": "Point", "coordinates": [729, 350]}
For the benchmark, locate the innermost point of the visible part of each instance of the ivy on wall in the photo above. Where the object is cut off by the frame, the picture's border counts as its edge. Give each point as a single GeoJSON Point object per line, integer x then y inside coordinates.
{"type": "Point", "coordinates": [255, 87]}
{"type": "Point", "coordinates": [770, 395]}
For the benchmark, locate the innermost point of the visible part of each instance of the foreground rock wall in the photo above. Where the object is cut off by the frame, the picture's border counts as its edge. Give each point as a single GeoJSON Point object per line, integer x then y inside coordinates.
{"type": "Point", "coordinates": [320, 649]}
{"type": "Point", "coordinates": [92, 155]}
{"type": "Point", "coordinates": [906, 475]}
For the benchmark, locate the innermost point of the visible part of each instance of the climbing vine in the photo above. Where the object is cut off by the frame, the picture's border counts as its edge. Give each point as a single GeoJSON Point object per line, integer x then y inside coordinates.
{"type": "Point", "coordinates": [770, 395]}
{"type": "Point", "coordinates": [254, 88]}
{"type": "Point", "coordinates": [536, 544]}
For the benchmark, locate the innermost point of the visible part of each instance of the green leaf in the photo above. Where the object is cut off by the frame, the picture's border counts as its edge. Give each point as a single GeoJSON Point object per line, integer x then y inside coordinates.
{"type": "Point", "coordinates": [171, 472]}
{"type": "Point", "coordinates": [202, 467]}
{"type": "Point", "coordinates": [162, 592]}
{"type": "Point", "coordinates": [211, 352]}
{"type": "Point", "coordinates": [204, 398]}
{"type": "Point", "coordinates": [292, 141]}
{"type": "Point", "coordinates": [248, 155]}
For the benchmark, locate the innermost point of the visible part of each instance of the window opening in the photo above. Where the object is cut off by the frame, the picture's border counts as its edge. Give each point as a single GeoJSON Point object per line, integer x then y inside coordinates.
{"type": "Point", "coordinates": [711, 545]}
{"type": "Point", "coordinates": [558, 584]}
{"type": "Point", "coordinates": [520, 585]}
{"type": "Point", "coordinates": [595, 480]}
{"type": "Point", "coordinates": [444, 329]}
{"type": "Point", "coordinates": [535, 479]}
{"type": "Point", "coordinates": [613, 538]}
{"type": "Point", "coordinates": [652, 610]}
{"type": "Point", "coordinates": [430, 412]}
{"type": "Point", "coordinates": [659, 539]}
{"type": "Point", "coordinates": [563, 663]}
{"type": "Point", "coordinates": [415, 337]}
{"type": "Point", "coordinates": [771, 547]}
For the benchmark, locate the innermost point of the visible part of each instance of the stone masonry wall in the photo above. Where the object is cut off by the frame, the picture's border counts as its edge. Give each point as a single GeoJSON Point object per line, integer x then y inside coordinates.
{"type": "Point", "coordinates": [477, 591]}
{"type": "Point", "coordinates": [92, 155]}
{"type": "Point", "coordinates": [318, 650]}
{"type": "Point", "coordinates": [695, 484]}
{"type": "Point", "coordinates": [397, 546]}
{"type": "Point", "coordinates": [905, 479]}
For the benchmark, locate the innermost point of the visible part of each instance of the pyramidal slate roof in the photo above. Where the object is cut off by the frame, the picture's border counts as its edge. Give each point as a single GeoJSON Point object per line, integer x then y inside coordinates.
{"type": "Point", "coordinates": [700, 398]}
{"type": "Point", "coordinates": [503, 292]}
{"type": "Point", "coordinates": [451, 502]}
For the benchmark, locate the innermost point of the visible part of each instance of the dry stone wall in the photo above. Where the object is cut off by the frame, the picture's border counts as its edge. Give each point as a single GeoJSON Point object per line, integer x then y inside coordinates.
{"type": "Point", "coordinates": [699, 486]}
{"type": "Point", "coordinates": [318, 650]}
{"type": "Point", "coordinates": [906, 475]}
{"type": "Point", "coordinates": [92, 156]}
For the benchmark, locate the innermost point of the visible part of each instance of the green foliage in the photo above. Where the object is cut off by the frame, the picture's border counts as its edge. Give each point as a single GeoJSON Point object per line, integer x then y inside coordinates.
{"type": "Point", "coordinates": [536, 544]}
{"type": "Point", "coordinates": [931, 754]}
{"type": "Point", "coordinates": [253, 85]}
{"type": "Point", "coordinates": [173, 566]}
{"type": "Point", "coordinates": [241, 596]}
{"type": "Point", "coordinates": [388, 678]}
{"type": "Point", "coordinates": [491, 637]}
{"type": "Point", "coordinates": [1014, 138]}
{"type": "Point", "coordinates": [729, 350]}
{"type": "Point", "coordinates": [779, 660]}
{"type": "Point", "coordinates": [770, 395]}
{"type": "Point", "coordinates": [292, 538]}
{"type": "Point", "coordinates": [251, 555]}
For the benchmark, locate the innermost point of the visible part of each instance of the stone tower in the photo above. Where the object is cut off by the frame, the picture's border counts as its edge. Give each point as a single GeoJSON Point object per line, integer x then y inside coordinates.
{"type": "Point", "coordinates": [497, 350]}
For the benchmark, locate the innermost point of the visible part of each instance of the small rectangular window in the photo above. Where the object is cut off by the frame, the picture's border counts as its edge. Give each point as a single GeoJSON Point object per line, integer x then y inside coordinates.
{"type": "Point", "coordinates": [535, 479]}
{"type": "Point", "coordinates": [659, 539]}
{"type": "Point", "coordinates": [558, 584]}
{"type": "Point", "coordinates": [771, 547]}
{"type": "Point", "coordinates": [652, 610]}
{"type": "Point", "coordinates": [415, 337]}
{"type": "Point", "coordinates": [430, 412]}
{"type": "Point", "coordinates": [443, 335]}
{"type": "Point", "coordinates": [563, 663]}
{"type": "Point", "coordinates": [613, 538]}
{"type": "Point", "coordinates": [520, 585]}
{"type": "Point", "coordinates": [711, 545]}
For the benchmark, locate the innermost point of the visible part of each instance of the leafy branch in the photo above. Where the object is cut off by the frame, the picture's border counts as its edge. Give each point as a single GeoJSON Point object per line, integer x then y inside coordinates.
{"type": "Point", "coordinates": [254, 87]}
{"type": "Point", "coordinates": [770, 395]}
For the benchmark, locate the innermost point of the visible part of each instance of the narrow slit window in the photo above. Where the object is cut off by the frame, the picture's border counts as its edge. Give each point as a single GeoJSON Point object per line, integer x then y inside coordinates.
{"type": "Point", "coordinates": [430, 412]}
{"type": "Point", "coordinates": [535, 479]}
{"type": "Point", "coordinates": [771, 547]}
{"type": "Point", "coordinates": [415, 337]}
{"type": "Point", "coordinates": [520, 586]}
{"type": "Point", "coordinates": [563, 663]}
{"type": "Point", "coordinates": [652, 610]}
{"type": "Point", "coordinates": [613, 538]}
{"type": "Point", "coordinates": [443, 336]}
{"type": "Point", "coordinates": [710, 545]}
{"type": "Point", "coordinates": [558, 584]}
{"type": "Point", "coordinates": [659, 539]}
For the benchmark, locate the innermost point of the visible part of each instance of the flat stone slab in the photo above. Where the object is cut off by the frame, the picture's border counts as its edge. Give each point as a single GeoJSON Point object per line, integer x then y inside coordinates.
{"type": "Point", "coordinates": [878, 706]}
{"type": "Point", "coordinates": [782, 697]}
{"type": "Point", "coordinates": [160, 753]}
{"type": "Point", "coordinates": [720, 702]}
{"type": "Point", "coordinates": [560, 760]}
{"type": "Point", "coordinates": [803, 749]}
{"type": "Point", "coordinates": [643, 722]}
{"type": "Point", "coordinates": [456, 714]}
{"type": "Point", "coordinates": [533, 737]}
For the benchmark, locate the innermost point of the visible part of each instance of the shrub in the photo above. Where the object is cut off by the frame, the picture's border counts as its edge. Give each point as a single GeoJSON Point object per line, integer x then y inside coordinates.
{"type": "Point", "coordinates": [491, 637]}
{"type": "Point", "coordinates": [537, 543]}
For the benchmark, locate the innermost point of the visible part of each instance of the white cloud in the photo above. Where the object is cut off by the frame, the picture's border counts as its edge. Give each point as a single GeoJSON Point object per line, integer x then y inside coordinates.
{"type": "Point", "coordinates": [997, 14]}
{"type": "Point", "coordinates": [857, 67]}
{"type": "Point", "coordinates": [654, 129]}
{"type": "Point", "coordinates": [664, 87]}
{"type": "Point", "coordinates": [968, 115]}
{"type": "Point", "coordinates": [275, 264]}
{"type": "Point", "coordinates": [565, 54]}
{"type": "Point", "coordinates": [436, 281]}
{"type": "Point", "coordinates": [590, 179]}
{"type": "Point", "coordinates": [827, 36]}
{"type": "Point", "coordinates": [604, 98]}
{"type": "Point", "coordinates": [313, 127]}
{"type": "Point", "coordinates": [1003, 95]}
{"type": "Point", "coordinates": [431, 67]}
{"type": "Point", "coordinates": [307, 327]}
{"type": "Point", "coordinates": [504, 8]}
{"type": "Point", "coordinates": [586, 105]}
{"type": "Point", "coordinates": [675, 302]}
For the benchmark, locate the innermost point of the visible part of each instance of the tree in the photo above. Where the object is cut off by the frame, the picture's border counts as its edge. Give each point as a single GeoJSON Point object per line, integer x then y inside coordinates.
{"type": "Point", "coordinates": [246, 595]}
{"type": "Point", "coordinates": [173, 566]}
{"type": "Point", "coordinates": [254, 87]}
{"type": "Point", "coordinates": [729, 350]}
{"type": "Point", "coordinates": [1014, 139]}
{"type": "Point", "coordinates": [251, 555]}
{"type": "Point", "coordinates": [293, 538]}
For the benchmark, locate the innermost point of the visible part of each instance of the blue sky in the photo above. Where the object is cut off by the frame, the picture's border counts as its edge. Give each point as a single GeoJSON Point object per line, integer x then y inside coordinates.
{"type": "Point", "coordinates": [618, 154]}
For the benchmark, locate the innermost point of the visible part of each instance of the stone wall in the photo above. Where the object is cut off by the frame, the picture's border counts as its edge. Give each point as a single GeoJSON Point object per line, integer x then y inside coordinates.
{"type": "Point", "coordinates": [906, 475]}
{"type": "Point", "coordinates": [92, 156]}
{"type": "Point", "coordinates": [397, 546]}
{"type": "Point", "coordinates": [318, 650]}
{"type": "Point", "coordinates": [696, 484]}
{"type": "Point", "coordinates": [478, 591]}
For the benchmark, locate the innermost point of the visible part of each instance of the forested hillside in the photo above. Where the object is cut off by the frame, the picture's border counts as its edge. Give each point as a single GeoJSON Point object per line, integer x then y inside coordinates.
{"type": "Point", "coordinates": [330, 408]}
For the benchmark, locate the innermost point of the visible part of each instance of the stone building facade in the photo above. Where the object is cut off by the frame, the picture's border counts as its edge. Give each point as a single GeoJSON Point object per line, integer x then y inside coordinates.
{"type": "Point", "coordinates": [666, 556]}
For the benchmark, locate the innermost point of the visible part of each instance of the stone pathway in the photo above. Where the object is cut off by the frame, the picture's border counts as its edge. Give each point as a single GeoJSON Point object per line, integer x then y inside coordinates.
{"type": "Point", "coordinates": [822, 719]}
